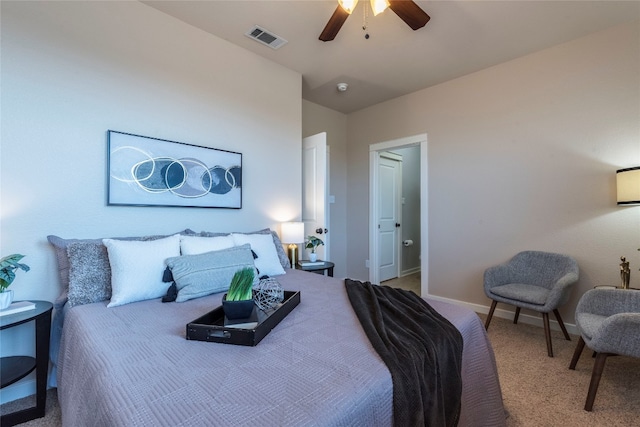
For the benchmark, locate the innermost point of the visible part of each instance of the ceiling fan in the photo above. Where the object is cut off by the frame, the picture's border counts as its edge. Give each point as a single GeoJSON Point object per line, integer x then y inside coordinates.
{"type": "Point", "coordinates": [407, 10]}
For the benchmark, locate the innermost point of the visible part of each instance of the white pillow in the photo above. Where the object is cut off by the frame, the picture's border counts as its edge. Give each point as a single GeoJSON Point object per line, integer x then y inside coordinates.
{"type": "Point", "coordinates": [137, 268]}
{"type": "Point", "coordinates": [194, 245]}
{"type": "Point", "coordinates": [262, 244]}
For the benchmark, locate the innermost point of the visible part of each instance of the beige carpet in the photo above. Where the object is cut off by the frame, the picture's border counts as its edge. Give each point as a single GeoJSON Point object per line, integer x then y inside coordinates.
{"type": "Point", "coordinates": [410, 283]}
{"type": "Point", "coordinates": [542, 391]}
{"type": "Point", "coordinates": [538, 391]}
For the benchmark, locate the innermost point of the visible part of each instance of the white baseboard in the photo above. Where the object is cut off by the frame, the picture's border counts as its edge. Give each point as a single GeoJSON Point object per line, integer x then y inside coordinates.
{"type": "Point", "coordinates": [505, 314]}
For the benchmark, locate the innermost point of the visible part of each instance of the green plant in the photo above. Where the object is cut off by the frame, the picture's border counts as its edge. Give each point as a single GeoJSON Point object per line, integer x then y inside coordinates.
{"type": "Point", "coordinates": [241, 285]}
{"type": "Point", "coordinates": [312, 243]}
{"type": "Point", "coordinates": [8, 265]}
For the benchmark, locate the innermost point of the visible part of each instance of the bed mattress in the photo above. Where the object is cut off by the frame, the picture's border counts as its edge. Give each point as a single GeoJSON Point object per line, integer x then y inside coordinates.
{"type": "Point", "coordinates": [132, 366]}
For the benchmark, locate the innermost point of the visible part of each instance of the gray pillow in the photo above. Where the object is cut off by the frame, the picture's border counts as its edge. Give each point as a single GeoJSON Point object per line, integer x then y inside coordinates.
{"type": "Point", "coordinates": [60, 247]}
{"type": "Point", "coordinates": [282, 255]}
{"type": "Point", "coordinates": [89, 273]}
{"type": "Point", "coordinates": [208, 273]}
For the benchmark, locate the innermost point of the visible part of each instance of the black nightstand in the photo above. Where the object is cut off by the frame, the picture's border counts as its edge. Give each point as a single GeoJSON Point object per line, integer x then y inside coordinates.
{"type": "Point", "coordinates": [319, 268]}
{"type": "Point", "coordinates": [14, 368]}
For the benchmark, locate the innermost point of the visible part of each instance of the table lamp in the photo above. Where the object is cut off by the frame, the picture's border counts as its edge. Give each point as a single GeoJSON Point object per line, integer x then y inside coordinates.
{"type": "Point", "coordinates": [292, 233]}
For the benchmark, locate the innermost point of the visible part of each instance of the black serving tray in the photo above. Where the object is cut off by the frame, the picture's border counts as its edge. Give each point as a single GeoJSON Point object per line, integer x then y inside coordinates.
{"type": "Point", "coordinates": [211, 327]}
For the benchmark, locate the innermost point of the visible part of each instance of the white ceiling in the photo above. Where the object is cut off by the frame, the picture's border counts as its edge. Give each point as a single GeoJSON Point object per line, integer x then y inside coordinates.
{"type": "Point", "coordinates": [462, 37]}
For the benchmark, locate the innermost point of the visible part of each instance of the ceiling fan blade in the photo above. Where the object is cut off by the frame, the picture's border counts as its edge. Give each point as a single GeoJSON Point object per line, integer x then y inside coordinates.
{"type": "Point", "coordinates": [410, 13]}
{"type": "Point", "coordinates": [335, 23]}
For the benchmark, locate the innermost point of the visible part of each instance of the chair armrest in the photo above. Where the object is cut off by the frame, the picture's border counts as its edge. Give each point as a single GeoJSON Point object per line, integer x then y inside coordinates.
{"type": "Point", "coordinates": [497, 275]}
{"type": "Point", "coordinates": [561, 290]}
{"type": "Point", "coordinates": [618, 334]}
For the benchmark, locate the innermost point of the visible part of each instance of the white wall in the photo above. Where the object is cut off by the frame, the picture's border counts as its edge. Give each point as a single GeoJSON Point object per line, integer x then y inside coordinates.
{"type": "Point", "coordinates": [521, 156]}
{"type": "Point", "coordinates": [316, 119]}
{"type": "Point", "coordinates": [73, 70]}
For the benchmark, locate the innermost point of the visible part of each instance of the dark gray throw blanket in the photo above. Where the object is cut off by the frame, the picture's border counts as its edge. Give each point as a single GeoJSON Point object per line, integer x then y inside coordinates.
{"type": "Point", "coordinates": [422, 350]}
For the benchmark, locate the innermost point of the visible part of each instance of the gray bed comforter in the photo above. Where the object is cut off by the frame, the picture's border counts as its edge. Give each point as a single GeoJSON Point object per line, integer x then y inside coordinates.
{"type": "Point", "coordinates": [132, 366]}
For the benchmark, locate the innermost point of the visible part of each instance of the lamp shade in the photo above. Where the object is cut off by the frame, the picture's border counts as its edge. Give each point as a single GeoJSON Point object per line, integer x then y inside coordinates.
{"type": "Point", "coordinates": [292, 232]}
{"type": "Point", "coordinates": [628, 184]}
{"type": "Point", "coordinates": [348, 5]}
{"type": "Point", "coordinates": [379, 6]}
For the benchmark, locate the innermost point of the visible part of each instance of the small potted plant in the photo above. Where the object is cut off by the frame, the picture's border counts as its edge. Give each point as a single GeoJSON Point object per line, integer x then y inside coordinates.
{"type": "Point", "coordinates": [312, 243]}
{"type": "Point", "coordinates": [8, 265]}
{"type": "Point", "coordinates": [238, 303]}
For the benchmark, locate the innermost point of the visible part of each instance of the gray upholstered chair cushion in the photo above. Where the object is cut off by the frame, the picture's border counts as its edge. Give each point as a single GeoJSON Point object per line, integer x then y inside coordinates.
{"type": "Point", "coordinates": [519, 291]}
{"type": "Point", "coordinates": [609, 321]}
{"type": "Point", "coordinates": [536, 280]}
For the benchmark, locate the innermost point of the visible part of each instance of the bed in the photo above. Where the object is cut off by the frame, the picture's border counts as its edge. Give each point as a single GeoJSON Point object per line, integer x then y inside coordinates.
{"type": "Point", "coordinates": [131, 365]}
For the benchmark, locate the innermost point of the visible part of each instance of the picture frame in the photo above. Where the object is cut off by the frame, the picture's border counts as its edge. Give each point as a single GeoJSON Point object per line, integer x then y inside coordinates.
{"type": "Point", "coordinates": [146, 171]}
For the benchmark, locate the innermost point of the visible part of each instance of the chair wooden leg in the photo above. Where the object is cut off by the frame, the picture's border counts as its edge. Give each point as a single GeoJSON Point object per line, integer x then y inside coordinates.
{"type": "Point", "coordinates": [490, 315]}
{"type": "Point", "coordinates": [516, 316]}
{"type": "Point", "coordinates": [561, 323]}
{"type": "Point", "coordinates": [577, 353]}
{"type": "Point", "coordinates": [598, 367]}
{"type": "Point", "coordinates": [547, 333]}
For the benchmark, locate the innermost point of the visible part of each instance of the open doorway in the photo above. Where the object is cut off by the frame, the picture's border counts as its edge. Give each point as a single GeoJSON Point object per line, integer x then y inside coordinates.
{"type": "Point", "coordinates": [398, 214]}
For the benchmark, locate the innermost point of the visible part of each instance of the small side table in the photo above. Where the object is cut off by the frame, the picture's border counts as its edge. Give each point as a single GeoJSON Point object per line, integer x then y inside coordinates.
{"type": "Point", "coordinates": [317, 268]}
{"type": "Point", "coordinates": [14, 368]}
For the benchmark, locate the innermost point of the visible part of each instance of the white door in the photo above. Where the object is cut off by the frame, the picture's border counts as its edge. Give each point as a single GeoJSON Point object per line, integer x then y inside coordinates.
{"type": "Point", "coordinates": [389, 194]}
{"type": "Point", "coordinates": [315, 188]}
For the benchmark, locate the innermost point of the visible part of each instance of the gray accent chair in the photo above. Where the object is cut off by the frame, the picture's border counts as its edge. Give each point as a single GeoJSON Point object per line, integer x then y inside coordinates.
{"type": "Point", "coordinates": [539, 281]}
{"type": "Point", "coordinates": [609, 324]}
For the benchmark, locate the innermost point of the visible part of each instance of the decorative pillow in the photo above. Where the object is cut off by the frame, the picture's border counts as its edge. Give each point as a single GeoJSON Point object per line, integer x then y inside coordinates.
{"type": "Point", "coordinates": [282, 255]}
{"type": "Point", "coordinates": [267, 262]}
{"type": "Point", "coordinates": [89, 273]}
{"type": "Point", "coordinates": [193, 245]}
{"type": "Point", "coordinates": [208, 273]}
{"type": "Point", "coordinates": [60, 246]}
{"type": "Point", "coordinates": [137, 268]}
{"type": "Point", "coordinates": [212, 234]}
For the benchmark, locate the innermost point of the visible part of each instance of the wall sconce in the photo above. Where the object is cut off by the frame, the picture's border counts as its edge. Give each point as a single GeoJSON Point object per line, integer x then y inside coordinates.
{"type": "Point", "coordinates": [292, 233]}
{"type": "Point", "coordinates": [628, 185]}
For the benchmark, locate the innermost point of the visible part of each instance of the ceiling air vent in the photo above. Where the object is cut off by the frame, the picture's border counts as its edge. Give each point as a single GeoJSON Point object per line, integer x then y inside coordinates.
{"type": "Point", "coordinates": [265, 37]}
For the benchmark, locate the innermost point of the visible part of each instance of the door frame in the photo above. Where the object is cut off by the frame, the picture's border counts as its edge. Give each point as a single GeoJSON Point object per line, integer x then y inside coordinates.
{"type": "Point", "coordinates": [419, 140]}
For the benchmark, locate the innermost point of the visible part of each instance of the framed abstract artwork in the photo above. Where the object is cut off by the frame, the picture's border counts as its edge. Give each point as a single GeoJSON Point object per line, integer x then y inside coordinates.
{"type": "Point", "coordinates": [144, 171]}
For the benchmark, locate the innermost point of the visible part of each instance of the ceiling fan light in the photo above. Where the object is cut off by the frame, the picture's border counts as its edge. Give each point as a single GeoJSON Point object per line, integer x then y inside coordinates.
{"type": "Point", "coordinates": [379, 6]}
{"type": "Point", "coordinates": [348, 5]}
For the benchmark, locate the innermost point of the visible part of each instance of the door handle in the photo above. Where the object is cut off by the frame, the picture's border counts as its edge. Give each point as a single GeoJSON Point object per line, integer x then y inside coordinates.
{"type": "Point", "coordinates": [320, 230]}
{"type": "Point", "coordinates": [397, 224]}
